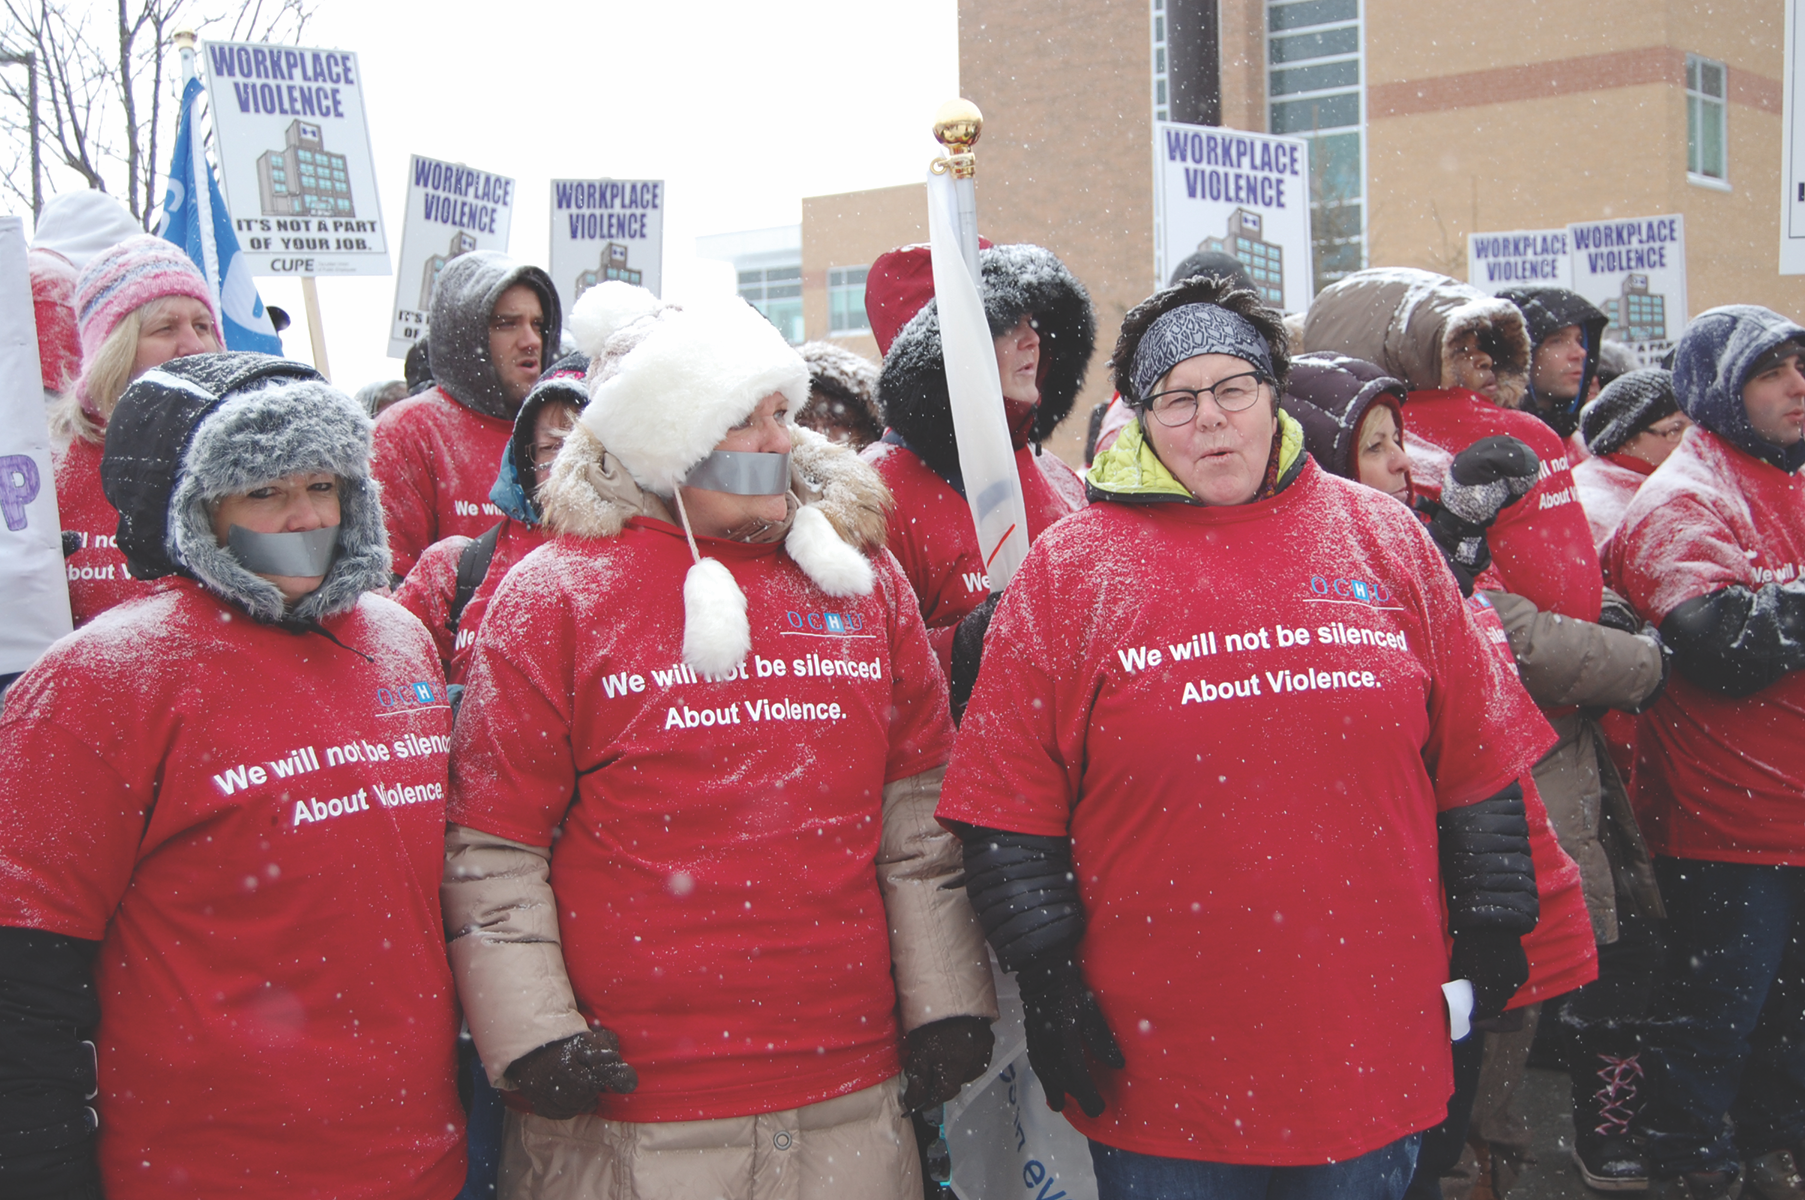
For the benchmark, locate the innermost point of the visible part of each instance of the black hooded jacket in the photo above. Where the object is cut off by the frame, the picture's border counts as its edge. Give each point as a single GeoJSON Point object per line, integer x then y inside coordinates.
{"type": "Point", "coordinates": [1545, 311]}
{"type": "Point", "coordinates": [1017, 281]}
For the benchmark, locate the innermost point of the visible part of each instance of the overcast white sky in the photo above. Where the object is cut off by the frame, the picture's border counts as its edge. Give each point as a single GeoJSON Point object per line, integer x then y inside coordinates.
{"type": "Point", "coordinates": [743, 108]}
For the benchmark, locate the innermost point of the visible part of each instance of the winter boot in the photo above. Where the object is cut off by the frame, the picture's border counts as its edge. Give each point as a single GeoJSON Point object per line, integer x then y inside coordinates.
{"type": "Point", "coordinates": [1605, 1103]}
{"type": "Point", "coordinates": [1775, 1176]}
{"type": "Point", "coordinates": [1695, 1185]}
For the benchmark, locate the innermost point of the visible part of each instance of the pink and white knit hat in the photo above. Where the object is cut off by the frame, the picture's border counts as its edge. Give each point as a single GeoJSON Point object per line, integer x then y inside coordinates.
{"type": "Point", "coordinates": [129, 276]}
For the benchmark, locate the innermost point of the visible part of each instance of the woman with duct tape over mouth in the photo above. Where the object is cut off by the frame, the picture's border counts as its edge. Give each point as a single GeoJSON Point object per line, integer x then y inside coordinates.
{"type": "Point", "coordinates": [221, 825]}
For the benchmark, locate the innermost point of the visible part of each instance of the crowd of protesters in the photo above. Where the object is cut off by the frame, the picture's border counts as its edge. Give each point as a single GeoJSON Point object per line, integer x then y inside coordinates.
{"type": "Point", "coordinates": [1400, 692]}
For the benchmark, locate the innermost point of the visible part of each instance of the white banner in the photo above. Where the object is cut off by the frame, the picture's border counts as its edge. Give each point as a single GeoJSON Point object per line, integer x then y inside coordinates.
{"type": "Point", "coordinates": [451, 210]}
{"type": "Point", "coordinates": [1635, 270]}
{"type": "Point", "coordinates": [1244, 194]}
{"type": "Point", "coordinates": [605, 229]}
{"type": "Point", "coordinates": [1792, 151]}
{"type": "Point", "coordinates": [294, 158]}
{"type": "Point", "coordinates": [1520, 258]}
{"type": "Point", "coordinates": [34, 594]}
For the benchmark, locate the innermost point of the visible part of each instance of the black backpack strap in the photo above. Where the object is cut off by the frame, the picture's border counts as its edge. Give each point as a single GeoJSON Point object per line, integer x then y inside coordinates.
{"type": "Point", "coordinates": [473, 568]}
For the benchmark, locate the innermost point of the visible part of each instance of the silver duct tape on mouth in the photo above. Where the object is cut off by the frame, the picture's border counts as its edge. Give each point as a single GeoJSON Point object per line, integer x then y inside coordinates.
{"type": "Point", "coordinates": [742, 473]}
{"type": "Point", "coordinates": [303, 555]}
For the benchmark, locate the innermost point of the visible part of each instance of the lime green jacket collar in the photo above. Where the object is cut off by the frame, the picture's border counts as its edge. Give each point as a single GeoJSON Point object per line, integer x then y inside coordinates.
{"type": "Point", "coordinates": [1130, 470]}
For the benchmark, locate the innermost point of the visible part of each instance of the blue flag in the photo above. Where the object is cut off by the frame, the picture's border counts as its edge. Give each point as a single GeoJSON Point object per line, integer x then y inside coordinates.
{"type": "Point", "coordinates": [198, 222]}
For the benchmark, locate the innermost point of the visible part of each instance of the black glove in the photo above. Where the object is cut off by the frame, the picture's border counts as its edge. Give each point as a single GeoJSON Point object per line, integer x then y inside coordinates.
{"type": "Point", "coordinates": [562, 1080]}
{"type": "Point", "coordinates": [968, 653]}
{"type": "Point", "coordinates": [1484, 479]}
{"type": "Point", "coordinates": [1615, 613]}
{"type": "Point", "coordinates": [1495, 963]}
{"type": "Point", "coordinates": [941, 1057]}
{"type": "Point", "coordinates": [1062, 1019]}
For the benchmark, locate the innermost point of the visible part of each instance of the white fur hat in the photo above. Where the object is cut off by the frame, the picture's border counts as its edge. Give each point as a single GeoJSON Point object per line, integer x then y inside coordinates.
{"type": "Point", "coordinates": [700, 371]}
{"type": "Point", "coordinates": [666, 386]}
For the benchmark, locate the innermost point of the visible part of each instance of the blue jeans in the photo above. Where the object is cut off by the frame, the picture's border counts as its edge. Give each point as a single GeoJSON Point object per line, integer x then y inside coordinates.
{"type": "Point", "coordinates": [1381, 1174]}
{"type": "Point", "coordinates": [1728, 1036]}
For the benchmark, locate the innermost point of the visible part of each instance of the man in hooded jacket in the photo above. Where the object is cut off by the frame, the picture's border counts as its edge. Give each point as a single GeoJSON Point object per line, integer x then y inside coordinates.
{"type": "Point", "coordinates": [1039, 315]}
{"type": "Point", "coordinates": [493, 322]}
{"type": "Point", "coordinates": [1711, 548]}
{"type": "Point", "coordinates": [1565, 333]}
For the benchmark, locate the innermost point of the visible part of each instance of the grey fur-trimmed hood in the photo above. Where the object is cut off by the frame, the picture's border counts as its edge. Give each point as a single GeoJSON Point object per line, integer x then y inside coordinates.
{"type": "Point", "coordinates": [458, 327]}
{"type": "Point", "coordinates": [199, 428]}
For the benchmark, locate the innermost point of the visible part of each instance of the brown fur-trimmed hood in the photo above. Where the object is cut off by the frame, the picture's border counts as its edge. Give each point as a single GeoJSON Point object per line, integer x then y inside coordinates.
{"type": "Point", "coordinates": [1404, 320]}
{"type": "Point", "coordinates": [590, 494]}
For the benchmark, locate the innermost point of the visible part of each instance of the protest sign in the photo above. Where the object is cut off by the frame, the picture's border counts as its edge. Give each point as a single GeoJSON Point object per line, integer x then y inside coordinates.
{"type": "Point", "coordinates": [451, 210]}
{"type": "Point", "coordinates": [1520, 258]}
{"type": "Point", "coordinates": [1245, 194]}
{"type": "Point", "coordinates": [34, 594]}
{"type": "Point", "coordinates": [294, 157]}
{"type": "Point", "coordinates": [606, 229]}
{"type": "Point", "coordinates": [1635, 270]}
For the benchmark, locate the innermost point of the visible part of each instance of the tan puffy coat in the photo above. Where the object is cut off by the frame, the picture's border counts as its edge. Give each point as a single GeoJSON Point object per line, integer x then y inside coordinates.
{"type": "Point", "coordinates": [502, 918]}
{"type": "Point", "coordinates": [1567, 663]}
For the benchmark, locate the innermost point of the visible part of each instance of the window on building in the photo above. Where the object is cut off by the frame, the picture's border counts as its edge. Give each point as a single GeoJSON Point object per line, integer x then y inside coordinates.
{"type": "Point", "coordinates": [1161, 77]}
{"type": "Point", "coordinates": [846, 300]}
{"type": "Point", "coordinates": [776, 292]}
{"type": "Point", "coordinates": [1705, 131]}
{"type": "Point", "coordinates": [1313, 90]}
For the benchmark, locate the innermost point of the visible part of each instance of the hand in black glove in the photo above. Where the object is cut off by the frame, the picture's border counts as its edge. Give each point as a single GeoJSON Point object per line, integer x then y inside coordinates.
{"type": "Point", "coordinates": [942, 1056]}
{"type": "Point", "coordinates": [1495, 963]}
{"type": "Point", "coordinates": [1062, 1019]}
{"type": "Point", "coordinates": [968, 653]}
{"type": "Point", "coordinates": [562, 1080]}
{"type": "Point", "coordinates": [1484, 479]}
{"type": "Point", "coordinates": [1615, 613]}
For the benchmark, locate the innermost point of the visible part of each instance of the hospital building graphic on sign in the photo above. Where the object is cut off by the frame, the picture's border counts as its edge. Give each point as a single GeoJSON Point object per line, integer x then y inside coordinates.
{"type": "Point", "coordinates": [1265, 261]}
{"type": "Point", "coordinates": [461, 243]}
{"type": "Point", "coordinates": [1637, 316]}
{"type": "Point", "coordinates": [303, 179]}
{"type": "Point", "coordinates": [612, 266]}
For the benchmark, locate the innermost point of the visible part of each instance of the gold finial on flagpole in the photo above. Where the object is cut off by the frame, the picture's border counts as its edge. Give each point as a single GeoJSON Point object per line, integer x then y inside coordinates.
{"type": "Point", "coordinates": [957, 126]}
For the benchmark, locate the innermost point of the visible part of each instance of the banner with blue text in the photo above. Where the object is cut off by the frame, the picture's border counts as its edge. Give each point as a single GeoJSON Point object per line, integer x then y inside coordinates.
{"type": "Point", "coordinates": [606, 229]}
{"type": "Point", "coordinates": [451, 210]}
{"type": "Point", "coordinates": [294, 157]}
{"type": "Point", "coordinates": [1244, 194]}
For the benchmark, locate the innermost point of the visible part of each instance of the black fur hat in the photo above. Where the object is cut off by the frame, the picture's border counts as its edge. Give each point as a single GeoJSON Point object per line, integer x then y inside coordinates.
{"type": "Point", "coordinates": [1017, 281]}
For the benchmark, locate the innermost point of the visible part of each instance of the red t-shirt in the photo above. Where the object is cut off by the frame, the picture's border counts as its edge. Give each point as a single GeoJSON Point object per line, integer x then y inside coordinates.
{"type": "Point", "coordinates": [1247, 719]}
{"type": "Point", "coordinates": [931, 534]}
{"type": "Point", "coordinates": [1561, 951]}
{"type": "Point", "coordinates": [1541, 545]}
{"type": "Point", "coordinates": [97, 576]}
{"type": "Point", "coordinates": [437, 462]}
{"type": "Point", "coordinates": [1716, 778]}
{"type": "Point", "coordinates": [251, 822]}
{"type": "Point", "coordinates": [1606, 484]}
{"type": "Point", "coordinates": [713, 842]}
{"type": "Point", "coordinates": [431, 587]}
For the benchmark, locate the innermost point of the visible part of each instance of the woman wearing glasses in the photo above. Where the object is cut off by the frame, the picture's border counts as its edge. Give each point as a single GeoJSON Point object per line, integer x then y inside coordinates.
{"type": "Point", "coordinates": [1234, 738]}
{"type": "Point", "coordinates": [1630, 429]}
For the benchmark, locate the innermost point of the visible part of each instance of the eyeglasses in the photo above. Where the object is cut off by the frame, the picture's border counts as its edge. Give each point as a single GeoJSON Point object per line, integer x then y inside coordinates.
{"type": "Point", "coordinates": [1179, 405]}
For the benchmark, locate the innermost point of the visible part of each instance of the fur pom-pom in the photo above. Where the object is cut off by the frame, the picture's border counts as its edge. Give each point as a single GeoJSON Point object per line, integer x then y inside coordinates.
{"type": "Point", "coordinates": [605, 310]}
{"type": "Point", "coordinates": [837, 568]}
{"type": "Point", "coordinates": [716, 635]}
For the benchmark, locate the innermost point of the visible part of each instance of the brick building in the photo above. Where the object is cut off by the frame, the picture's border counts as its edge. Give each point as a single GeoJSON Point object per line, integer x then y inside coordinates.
{"type": "Point", "coordinates": [1427, 122]}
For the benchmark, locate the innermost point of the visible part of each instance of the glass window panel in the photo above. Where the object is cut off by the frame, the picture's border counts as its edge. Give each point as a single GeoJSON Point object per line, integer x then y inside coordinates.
{"type": "Point", "coordinates": [1711, 79]}
{"type": "Point", "coordinates": [1317, 78]}
{"type": "Point", "coordinates": [772, 273]}
{"type": "Point", "coordinates": [1692, 135]}
{"type": "Point", "coordinates": [1159, 60]}
{"type": "Point", "coordinates": [1321, 44]}
{"type": "Point", "coordinates": [1310, 12]}
{"type": "Point", "coordinates": [1335, 175]}
{"type": "Point", "coordinates": [751, 277]}
{"type": "Point", "coordinates": [779, 290]}
{"type": "Point", "coordinates": [1318, 112]}
{"type": "Point", "coordinates": [1711, 141]}
{"type": "Point", "coordinates": [1691, 73]}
